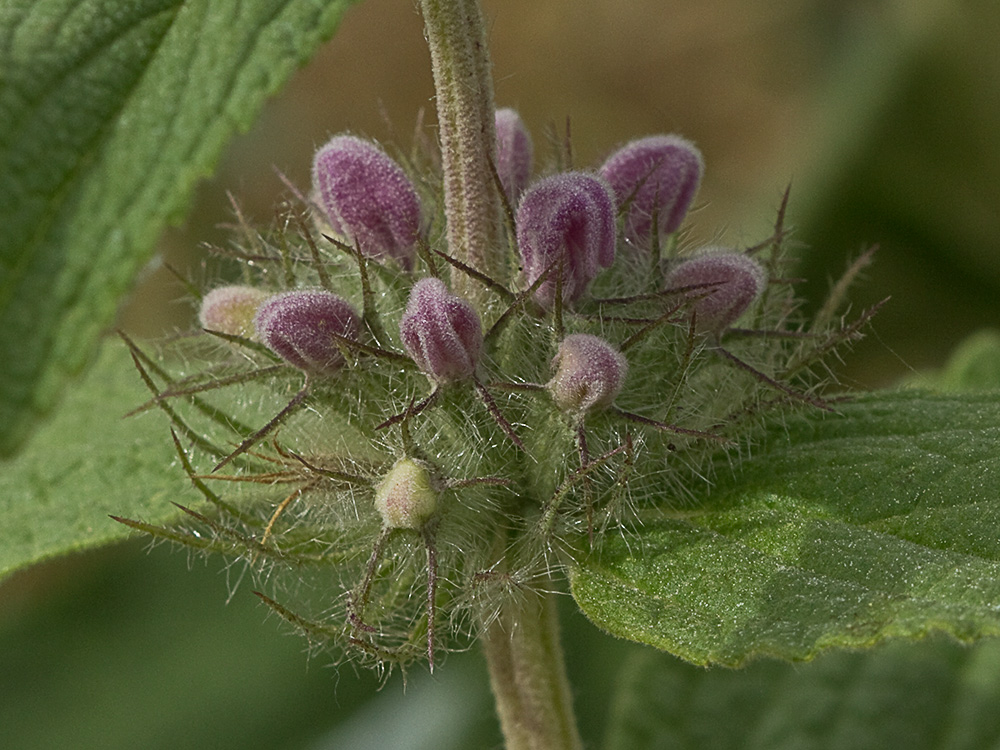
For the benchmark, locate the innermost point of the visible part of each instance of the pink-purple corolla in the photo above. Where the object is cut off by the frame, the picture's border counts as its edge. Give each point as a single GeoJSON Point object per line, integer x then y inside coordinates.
{"type": "Point", "coordinates": [515, 153]}
{"type": "Point", "coordinates": [367, 199]}
{"type": "Point", "coordinates": [654, 179]}
{"type": "Point", "coordinates": [442, 333]}
{"type": "Point", "coordinates": [724, 284]}
{"type": "Point", "coordinates": [566, 228]}
{"type": "Point", "coordinates": [302, 327]}
{"type": "Point", "coordinates": [589, 374]}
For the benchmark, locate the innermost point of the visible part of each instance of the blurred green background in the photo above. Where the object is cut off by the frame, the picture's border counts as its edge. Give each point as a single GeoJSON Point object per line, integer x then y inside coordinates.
{"type": "Point", "coordinates": [883, 115]}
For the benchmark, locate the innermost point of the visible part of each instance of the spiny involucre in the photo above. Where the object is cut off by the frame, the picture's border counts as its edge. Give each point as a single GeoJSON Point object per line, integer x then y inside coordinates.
{"type": "Point", "coordinates": [367, 199]}
{"type": "Point", "coordinates": [541, 422]}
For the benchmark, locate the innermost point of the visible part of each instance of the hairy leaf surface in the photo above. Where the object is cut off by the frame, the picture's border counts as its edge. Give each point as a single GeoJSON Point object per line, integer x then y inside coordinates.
{"type": "Point", "coordinates": [842, 530]}
{"type": "Point", "coordinates": [109, 114]}
{"type": "Point", "coordinates": [86, 463]}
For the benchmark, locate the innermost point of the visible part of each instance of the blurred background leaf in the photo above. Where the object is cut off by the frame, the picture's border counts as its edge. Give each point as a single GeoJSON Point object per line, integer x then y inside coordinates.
{"type": "Point", "coordinates": [123, 649]}
{"type": "Point", "coordinates": [137, 650]}
{"type": "Point", "coordinates": [934, 695]}
{"type": "Point", "coordinates": [973, 366]}
{"type": "Point", "coordinates": [908, 157]}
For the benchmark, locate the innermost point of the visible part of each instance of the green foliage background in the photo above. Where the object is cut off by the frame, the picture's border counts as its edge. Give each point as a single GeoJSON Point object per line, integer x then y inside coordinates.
{"type": "Point", "coordinates": [901, 149]}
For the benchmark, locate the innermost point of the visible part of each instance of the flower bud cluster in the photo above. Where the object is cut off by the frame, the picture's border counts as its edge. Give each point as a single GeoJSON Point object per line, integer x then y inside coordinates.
{"type": "Point", "coordinates": [601, 354]}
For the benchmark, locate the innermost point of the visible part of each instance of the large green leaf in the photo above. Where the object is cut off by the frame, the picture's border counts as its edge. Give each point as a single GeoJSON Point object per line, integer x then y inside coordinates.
{"type": "Point", "coordinates": [109, 114]}
{"type": "Point", "coordinates": [842, 530]}
{"type": "Point", "coordinates": [929, 696]}
{"type": "Point", "coordinates": [87, 463]}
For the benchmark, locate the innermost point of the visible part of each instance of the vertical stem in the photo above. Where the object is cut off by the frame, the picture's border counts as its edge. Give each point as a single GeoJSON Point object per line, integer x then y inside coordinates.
{"type": "Point", "coordinates": [528, 675]}
{"type": "Point", "coordinates": [527, 668]}
{"type": "Point", "coordinates": [463, 84]}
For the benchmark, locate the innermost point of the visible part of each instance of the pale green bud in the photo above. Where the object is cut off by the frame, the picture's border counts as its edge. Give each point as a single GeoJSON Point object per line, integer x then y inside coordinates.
{"type": "Point", "coordinates": [405, 498]}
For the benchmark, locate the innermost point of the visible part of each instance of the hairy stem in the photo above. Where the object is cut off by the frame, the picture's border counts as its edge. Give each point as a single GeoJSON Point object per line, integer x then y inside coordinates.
{"type": "Point", "coordinates": [463, 84]}
{"type": "Point", "coordinates": [528, 675]}
{"type": "Point", "coordinates": [527, 668]}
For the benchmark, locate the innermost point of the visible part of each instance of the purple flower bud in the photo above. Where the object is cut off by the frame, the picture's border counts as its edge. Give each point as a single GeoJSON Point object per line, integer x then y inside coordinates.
{"type": "Point", "coordinates": [441, 332]}
{"type": "Point", "coordinates": [367, 198]}
{"type": "Point", "coordinates": [589, 375]}
{"type": "Point", "coordinates": [569, 216]}
{"type": "Point", "coordinates": [405, 498]}
{"type": "Point", "coordinates": [231, 309]}
{"type": "Point", "coordinates": [731, 283]}
{"type": "Point", "coordinates": [515, 153]}
{"type": "Point", "coordinates": [297, 326]}
{"type": "Point", "coordinates": [658, 175]}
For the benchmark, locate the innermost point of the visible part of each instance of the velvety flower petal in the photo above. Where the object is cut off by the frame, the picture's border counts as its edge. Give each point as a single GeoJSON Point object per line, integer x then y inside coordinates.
{"type": "Point", "coordinates": [441, 332]}
{"type": "Point", "coordinates": [515, 153]}
{"type": "Point", "coordinates": [569, 216]}
{"type": "Point", "coordinates": [367, 198]}
{"type": "Point", "coordinates": [297, 326]}
{"type": "Point", "coordinates": [654, 176]}
{"type": "Point", "coordinates": [231, 309]}
{"type": "Point", "coordinates": [589, 374]}
{"type": "Point", "coordinates": [732, 282]}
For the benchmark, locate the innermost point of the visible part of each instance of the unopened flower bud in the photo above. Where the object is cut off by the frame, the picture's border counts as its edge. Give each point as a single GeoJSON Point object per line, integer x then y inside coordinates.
{"type": "Point", "coordinates": [590, 374]}
{"type": "Point", "coordinates": [654, 176]}
{"type": "Point", "coordinates": [367, 198]}
{"type": "Point", "coordinates": [730, 282]}
{"type": "Point", "coordinates": [566, 219]}
{"type": "Point", "coordinates": [231, 309]}
{"type": "Point", "coordinates": [515, 153]}
{"type": "Point", "coordinates": [299, 326]}
{"type": "Point", "coordinates": [441, 332]}
{"type": "Point", "coordinates": [405, 498]}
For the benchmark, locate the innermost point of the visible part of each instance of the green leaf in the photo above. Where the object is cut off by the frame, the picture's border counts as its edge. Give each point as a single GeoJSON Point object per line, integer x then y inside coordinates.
{"type": "Point", "coordinates": [973, 366]}
{"type": "Point", "coordinates": [110, 112]}
{"type": "Point", "coordinates": [86, 463]}
{"type": "Point", "coordinates": [929, 696]}
{"type": "Point", "coordinates": [841, 530]}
